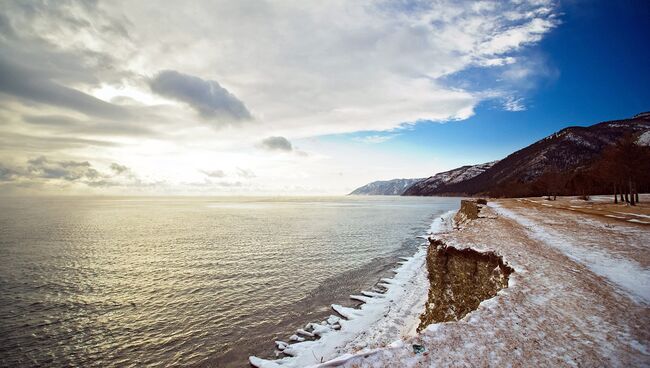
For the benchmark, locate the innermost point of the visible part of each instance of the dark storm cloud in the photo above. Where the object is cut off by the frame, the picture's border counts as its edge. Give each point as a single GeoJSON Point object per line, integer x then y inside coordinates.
{"type": "Point", "coordinates": [19, 82]}
{"type": "Point", "coordinates": [276, 144]}
{"type": "Point", "coordinates": [205, 96]}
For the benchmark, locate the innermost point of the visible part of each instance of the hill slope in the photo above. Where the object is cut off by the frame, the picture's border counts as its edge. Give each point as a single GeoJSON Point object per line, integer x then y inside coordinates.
{"type": "Point", "coordinates": [570, 153]}
{"type": "Point", "coordinates": [455, 176]}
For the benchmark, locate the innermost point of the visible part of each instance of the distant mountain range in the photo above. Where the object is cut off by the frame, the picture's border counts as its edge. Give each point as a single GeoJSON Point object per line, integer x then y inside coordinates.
{"type": "Point", "coordinates": [385, 187]}
{"type": "Point", "coordinates": [403, 186]}
{"type": "Point", "coordinates": [443, 179]}
{"type": "Point", "coordinates": [573, 154]}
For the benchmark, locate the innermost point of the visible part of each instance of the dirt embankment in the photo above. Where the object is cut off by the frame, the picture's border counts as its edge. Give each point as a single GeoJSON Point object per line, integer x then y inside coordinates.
{"type": "Point", "coordinates": [469, 210]}
{"type": "Point", "coordinates": [461, 278]}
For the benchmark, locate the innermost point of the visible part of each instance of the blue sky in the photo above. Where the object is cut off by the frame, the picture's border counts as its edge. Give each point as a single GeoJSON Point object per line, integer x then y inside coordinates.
{"type": "Point", "coordinates": [597, 68]}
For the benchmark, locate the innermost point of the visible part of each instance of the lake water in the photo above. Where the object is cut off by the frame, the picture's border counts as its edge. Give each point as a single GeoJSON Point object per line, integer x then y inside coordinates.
{"type": "Point", "coordinates": [118, 282]}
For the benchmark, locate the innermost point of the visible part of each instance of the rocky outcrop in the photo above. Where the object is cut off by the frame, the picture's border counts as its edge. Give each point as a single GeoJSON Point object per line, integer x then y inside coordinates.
{"type": "Point", "coordinates": [460, 280]}
{"type": "Point", "coordinates": [469, 210]}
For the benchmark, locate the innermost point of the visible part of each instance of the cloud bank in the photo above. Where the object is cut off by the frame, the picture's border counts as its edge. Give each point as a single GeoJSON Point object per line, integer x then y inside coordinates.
{"type": "Point", "coordinates": [166, 88]}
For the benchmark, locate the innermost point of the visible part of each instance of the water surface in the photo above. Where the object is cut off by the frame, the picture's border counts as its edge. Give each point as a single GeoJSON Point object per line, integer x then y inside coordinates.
{"type": "Point", "coordinates": [114, 282]}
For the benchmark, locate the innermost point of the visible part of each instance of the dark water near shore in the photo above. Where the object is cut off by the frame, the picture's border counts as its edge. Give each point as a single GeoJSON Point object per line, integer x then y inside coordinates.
{"type": "Point", "coordinates": [115, 282]}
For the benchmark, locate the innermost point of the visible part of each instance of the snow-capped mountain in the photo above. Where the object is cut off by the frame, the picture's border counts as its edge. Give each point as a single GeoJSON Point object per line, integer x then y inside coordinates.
{"type": "Point", "coordinates": [385, 187]}
{"type": "Point", "coordinates": [572, 153]}
{"type": "Point", "coordinates": [459, 175]}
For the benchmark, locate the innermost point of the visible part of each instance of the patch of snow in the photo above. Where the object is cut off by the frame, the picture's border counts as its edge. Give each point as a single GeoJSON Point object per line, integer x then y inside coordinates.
{"type": "Point", "coordinates": [453, 176]}
{"type": "Point", "coordinates": [640, 347]}
{"type": "Point", "coordinates": [644, 139]}
{"type": "Point", "coordinates": [626, 275]}
{"type": "Point", "coordinates": [638, 221]}
{"type": "Point", "coordinates": [442, 224]}
{"type": "Point", "coordinates": [570, 136]}
{"type": "Point", "coordinates": [614, 216]}
{"type": "Point", "coordinates": [632, 214]}
{"type": "Point", "coordinates": [598, 198]}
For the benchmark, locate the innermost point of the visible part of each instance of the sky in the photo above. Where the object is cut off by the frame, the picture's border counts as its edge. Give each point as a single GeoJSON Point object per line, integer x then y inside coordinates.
{"type": "Point", "coordinates": [299, 98]}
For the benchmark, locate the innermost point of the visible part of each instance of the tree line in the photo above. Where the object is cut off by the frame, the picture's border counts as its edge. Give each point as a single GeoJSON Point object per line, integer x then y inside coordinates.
{"type": "Point", "coordinates": [623, 170]}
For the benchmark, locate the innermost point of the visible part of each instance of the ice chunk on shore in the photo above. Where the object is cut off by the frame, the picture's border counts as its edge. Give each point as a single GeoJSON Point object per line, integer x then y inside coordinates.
{"type": "Point", "coordinates": [295, 337]}
{"type": "Point", "coordinates": [332, 319]}
{"type": "Point", "coordinates": [361, 298]}
{"type": "Point", "coordinates": [281, 345]}
{"type": "Point", "coordinates": [348, 313]}
{"type": "Point", "coordinates": [305, 333]}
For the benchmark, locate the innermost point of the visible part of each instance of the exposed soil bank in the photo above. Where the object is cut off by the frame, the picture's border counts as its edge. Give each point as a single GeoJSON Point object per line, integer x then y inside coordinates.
{"type": "Point", "coordinates": [460, 280]}
{"type": "Point", "coordinates": [470, 209]}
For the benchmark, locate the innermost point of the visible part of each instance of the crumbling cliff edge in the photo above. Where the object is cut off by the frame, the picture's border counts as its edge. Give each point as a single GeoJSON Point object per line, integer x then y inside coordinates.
{"type": "Point", "coordinates": [460, 279]}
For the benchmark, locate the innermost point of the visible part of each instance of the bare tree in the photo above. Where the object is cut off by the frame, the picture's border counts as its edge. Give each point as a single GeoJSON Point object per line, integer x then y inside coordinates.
{"type": "Point", "coordinates": [625, 164]}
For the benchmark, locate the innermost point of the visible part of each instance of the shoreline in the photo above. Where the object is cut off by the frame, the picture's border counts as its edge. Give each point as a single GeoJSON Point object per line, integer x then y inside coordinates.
{"type": "Point", "coordinates": [378, 321]}
{"type": "Point", "coordinates": [579, 295]}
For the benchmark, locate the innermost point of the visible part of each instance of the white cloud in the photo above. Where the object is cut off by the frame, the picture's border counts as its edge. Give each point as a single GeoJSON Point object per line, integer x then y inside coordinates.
{"type": "Point", "coordinates": [512, 103]}
{"type": "Point", "coordinates": [376, 138]}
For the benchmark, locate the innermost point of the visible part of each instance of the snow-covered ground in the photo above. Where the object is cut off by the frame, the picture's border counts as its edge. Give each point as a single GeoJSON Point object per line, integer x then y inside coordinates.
{"type": "Point", "coordinates": [389, 313]}
{"type": "Point", "coordinates": [626, 273]}
{"type": "Point", "coordinates": [579, 297]}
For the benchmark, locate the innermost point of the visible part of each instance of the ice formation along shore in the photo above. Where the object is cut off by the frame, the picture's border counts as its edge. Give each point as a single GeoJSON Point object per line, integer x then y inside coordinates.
{"type": "Point", "coordinates": [389, 313]}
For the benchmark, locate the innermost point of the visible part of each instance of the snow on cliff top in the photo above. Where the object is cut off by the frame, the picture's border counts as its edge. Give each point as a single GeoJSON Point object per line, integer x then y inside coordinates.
{"type": "Point", "coordinates": [579, 296]}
